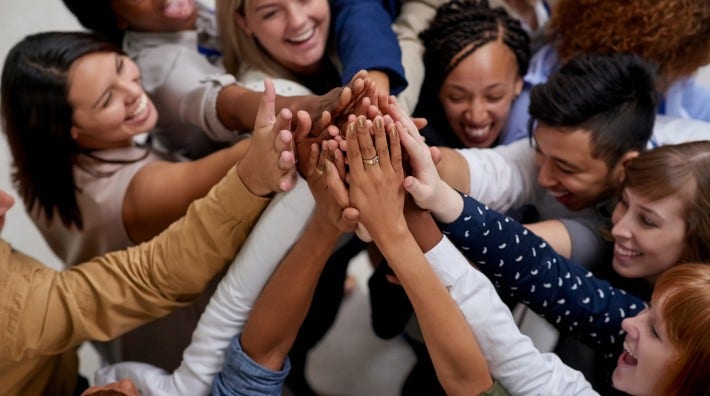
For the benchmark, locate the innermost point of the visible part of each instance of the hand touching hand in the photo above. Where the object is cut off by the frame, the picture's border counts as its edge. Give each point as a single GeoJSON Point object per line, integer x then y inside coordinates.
{"type": "Point", "coordinates": [324, 179]}
{"type": "Point", "coordinates": [269, 164]}
{"type": "Point", "coordinates": [425, 185]}
{"type": "Point", "coordinates": [376, 177]}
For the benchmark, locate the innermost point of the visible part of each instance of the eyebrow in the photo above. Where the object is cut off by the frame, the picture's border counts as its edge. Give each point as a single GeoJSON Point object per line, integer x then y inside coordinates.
{"type": "Point", "coordinates": [558, 160]}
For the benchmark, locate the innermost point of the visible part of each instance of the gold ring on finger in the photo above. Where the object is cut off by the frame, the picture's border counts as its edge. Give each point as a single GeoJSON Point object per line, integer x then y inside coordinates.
{"type": "Point", "coordinates": [371, 161]}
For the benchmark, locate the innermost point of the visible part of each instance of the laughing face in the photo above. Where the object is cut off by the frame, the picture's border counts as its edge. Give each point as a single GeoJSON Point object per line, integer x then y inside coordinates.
{"type": "Point", "coordinates": [649, 236]}
{"type": "Point", "coordinates": [155, 15]}
{"type": "Point", "coordinates": [569, 171]}
{"type": "Point", "coordinates": [478, 92]}
{"type": "Point", "coordinates": [108, 101]}
{"type": "Point", "coordinates": [647, 353]}
{"type": "Point", "coordinates": [293, 32]}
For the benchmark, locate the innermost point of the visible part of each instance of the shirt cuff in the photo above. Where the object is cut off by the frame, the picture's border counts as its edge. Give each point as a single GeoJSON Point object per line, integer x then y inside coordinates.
{"type": "Point", "coordinates": [447, 262]}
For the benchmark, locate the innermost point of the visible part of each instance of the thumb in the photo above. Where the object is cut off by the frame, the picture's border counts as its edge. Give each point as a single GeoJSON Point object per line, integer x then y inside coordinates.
{"type": "Point", "coordinates": [415, 188]}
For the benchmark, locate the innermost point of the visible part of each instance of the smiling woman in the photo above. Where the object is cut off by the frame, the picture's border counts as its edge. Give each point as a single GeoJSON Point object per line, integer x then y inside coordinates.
{"type": "Point", "coordinates": [71, 105]}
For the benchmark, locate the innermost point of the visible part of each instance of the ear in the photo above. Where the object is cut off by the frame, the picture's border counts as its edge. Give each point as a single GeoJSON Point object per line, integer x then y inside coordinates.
{"type": "Point", "coordinates": [74, 132]}
{"type": "Point", "coordinates": [241, 21]}
{"type": "Point", "coordinates": [619, 171]}
{"type": "Point", "coordinates": [518, 86]}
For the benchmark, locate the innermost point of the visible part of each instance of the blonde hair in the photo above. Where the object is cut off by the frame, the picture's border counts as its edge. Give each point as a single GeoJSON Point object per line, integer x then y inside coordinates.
{"type": "Point", "coordinates": [241, 50]}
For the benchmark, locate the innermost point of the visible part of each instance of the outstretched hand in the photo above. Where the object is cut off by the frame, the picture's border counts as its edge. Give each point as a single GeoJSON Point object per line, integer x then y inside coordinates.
{"type": "Point", "coordinates": [325, 171]}
{"type": "Point", "coordinates": [376, 176]}
{"type": "Point", "coordinates": [426, 187]}
{"type": "Point", "coordinates": [269, 164]}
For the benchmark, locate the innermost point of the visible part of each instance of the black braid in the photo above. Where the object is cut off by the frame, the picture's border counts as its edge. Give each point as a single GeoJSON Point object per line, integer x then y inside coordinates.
{"type": "Point", "coordinates": [464, 25]}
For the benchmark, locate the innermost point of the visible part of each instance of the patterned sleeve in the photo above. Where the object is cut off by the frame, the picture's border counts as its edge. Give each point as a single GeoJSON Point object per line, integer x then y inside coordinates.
{"type": "Point", "coordinates": [524, 266]}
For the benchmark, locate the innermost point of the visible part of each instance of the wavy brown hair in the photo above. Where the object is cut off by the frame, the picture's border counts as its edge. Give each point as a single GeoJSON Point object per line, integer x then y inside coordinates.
{"type": "Point", "coordinates": [674, 34]}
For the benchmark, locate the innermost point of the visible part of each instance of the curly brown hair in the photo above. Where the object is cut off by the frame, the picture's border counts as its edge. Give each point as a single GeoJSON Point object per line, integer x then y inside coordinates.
{"type": "Point", "coordinates": [674, 34]}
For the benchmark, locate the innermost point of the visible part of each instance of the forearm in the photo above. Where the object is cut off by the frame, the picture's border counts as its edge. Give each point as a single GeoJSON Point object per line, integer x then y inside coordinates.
{"type": "Point", "coordinates": [526, 267]}
{"type": "Point", "coordinates": [283, 304]}
{"type": "Point", "coordinates": [457, 358]}
{"type": "Point", "coordinates": [512, 358]}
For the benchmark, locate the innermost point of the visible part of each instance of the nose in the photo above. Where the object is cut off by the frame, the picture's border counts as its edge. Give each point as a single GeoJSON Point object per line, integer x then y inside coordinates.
{"type": "Point", "coordinates": [6, 202]}
{"type": "Point", "coordinates": [545, 176]}
{"type": "Point", "coordinates": [476, 113]}
{"type": "Point", "coordinates": [620, 230]}
{"type": "Point", "coordinates": [631, 325]}
{"type": "Point", "coordinates": [131, 86]}
{"type": "Point", "coordinates": [297, 15]}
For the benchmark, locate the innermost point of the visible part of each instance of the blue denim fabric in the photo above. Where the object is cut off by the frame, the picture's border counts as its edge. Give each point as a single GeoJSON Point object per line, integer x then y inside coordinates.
{"type": "Point", "coordinates": [242, 376]}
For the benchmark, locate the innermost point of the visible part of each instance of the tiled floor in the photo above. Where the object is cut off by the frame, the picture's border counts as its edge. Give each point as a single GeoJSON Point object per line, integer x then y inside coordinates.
{"type": "Point", "coordinates": [349, 361]}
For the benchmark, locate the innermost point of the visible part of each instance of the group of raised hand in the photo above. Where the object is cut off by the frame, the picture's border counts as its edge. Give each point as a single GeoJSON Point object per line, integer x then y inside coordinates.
{"type": "Point", "coordinates": [364, 153]}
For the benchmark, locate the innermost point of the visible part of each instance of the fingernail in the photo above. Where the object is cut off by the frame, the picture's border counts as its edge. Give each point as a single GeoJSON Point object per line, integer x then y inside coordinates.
{"type": "Point", "coordinates": [361, 121]}
{"type": "Point", "coordinates": [351, 127]}
{"type": "Point", "coordinates": [378, 123]}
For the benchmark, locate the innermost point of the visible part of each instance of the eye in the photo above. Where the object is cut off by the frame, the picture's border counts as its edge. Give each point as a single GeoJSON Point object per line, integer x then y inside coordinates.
{"type": "Point", "coordinates": [648, 222]}
{"type": "Point", "coordinates": [494, 99]}
{"type": "Point", "coordinates": [107, 101]}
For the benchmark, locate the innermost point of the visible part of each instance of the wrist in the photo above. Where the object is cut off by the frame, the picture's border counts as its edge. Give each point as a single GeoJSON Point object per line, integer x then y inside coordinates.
{"type": "Point", "coordinates": [251, 180]}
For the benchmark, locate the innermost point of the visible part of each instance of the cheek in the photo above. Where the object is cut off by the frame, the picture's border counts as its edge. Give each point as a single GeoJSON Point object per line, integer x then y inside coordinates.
{"type": "Point", "coordinates": [268, 34]}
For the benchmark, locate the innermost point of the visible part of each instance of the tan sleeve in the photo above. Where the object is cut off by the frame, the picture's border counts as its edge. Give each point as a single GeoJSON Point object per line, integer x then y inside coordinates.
{"type": "Point", "coordinates": [414, 16]}
{"type": "Point", "coordinates": [112, 294]}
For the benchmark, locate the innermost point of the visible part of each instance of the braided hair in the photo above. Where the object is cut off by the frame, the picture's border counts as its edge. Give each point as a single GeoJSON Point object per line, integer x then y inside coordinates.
{"type": "Point", "coordinates": [459, 29]}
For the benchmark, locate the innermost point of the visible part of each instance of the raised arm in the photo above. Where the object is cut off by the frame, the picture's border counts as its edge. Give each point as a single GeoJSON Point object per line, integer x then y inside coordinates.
{"type": "Point", "coordinates": [520, 263]}
{"type": "Point", "coordinates": [283, 304]}
{"type": "Point", "coordinates": [117, 292]}
{"type": "Point", "coordinates": [160, 192]}
{"type": "Point", "coordinates": [375, 190]}
{"type": "Point", "coordinates": [355, 22]}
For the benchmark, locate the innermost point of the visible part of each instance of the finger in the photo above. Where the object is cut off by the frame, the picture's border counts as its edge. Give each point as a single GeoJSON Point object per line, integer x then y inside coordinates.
{"type": "Point", "coordinates": [435, 154]}
{"type": "Point", "coordinates": [348, 220]}
{"type": "Point", "coordinates": [413, 186]}
{"type": "Point", "coordinates": [420, 122]}
{"type": "Point", "coordinates": [267, 106]}
{"type": "Point", "coordinates": [335, 185]}
{"type": "Point", "coordinates": [324, 153]}
{"type": "Point", "coordinates": [312, 160]}
{"type": "Point", "coordinates": [395, 150]}
{"type": "Point", "coordinates": [303, 124]}
{"type": "Point", "coordinates": [381, 143]}
{"type": "Point", "coordinates": [339, 161]}
{"type": "Point", "coordinates": [283, 141]}
{"type": "Point", "coordinates": [288, 181]}
{"type": "Point", "coordinates": [354, 155]}
{"type": "Point", "coordinates": [367, 148]}
{"type": "Point", "coordinates": [283, 120]}
{"type": "Point", "coordinates": [373, 111]}
{"type": "Point", "coordinates": [286, 160]}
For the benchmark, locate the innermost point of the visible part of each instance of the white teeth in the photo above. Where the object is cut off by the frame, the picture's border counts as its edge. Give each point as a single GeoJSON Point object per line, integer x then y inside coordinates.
{"type": "Point", "coordinates": [626, 348]}
{"type": "Point", "coordinates": [625, 252]}
{"type": "Point", "coordinates": [558, 193]}
{"type": "Point", "coordinates": [478, 132]}
{"type": "Point", "coordinates": [142, 106]}
{"type": "Point", "coordinates": [303, 36]}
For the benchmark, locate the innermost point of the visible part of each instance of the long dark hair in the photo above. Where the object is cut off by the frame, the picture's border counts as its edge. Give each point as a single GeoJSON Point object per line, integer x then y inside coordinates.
{"type": "Point", "coordinates": [37, 118]}
{"type": "Point", "coordinates": [459, 25]}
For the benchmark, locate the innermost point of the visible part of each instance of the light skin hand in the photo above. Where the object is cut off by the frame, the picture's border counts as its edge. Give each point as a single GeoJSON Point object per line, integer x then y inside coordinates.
{"type": "Point", "coordinates": [425, 185]}
{"type": "Point", "coordinates": [269, 164]}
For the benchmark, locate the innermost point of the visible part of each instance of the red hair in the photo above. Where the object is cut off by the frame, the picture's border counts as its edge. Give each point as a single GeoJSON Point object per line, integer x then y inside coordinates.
{"type": "Point", "coordinates": [686, 313]}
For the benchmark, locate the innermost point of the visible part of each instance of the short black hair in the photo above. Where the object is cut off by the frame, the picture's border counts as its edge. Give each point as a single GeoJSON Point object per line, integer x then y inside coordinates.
{"type": "Point", "coordinates": [98, 16]}
{"type": "Point", "coordinates": [612, 96]}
